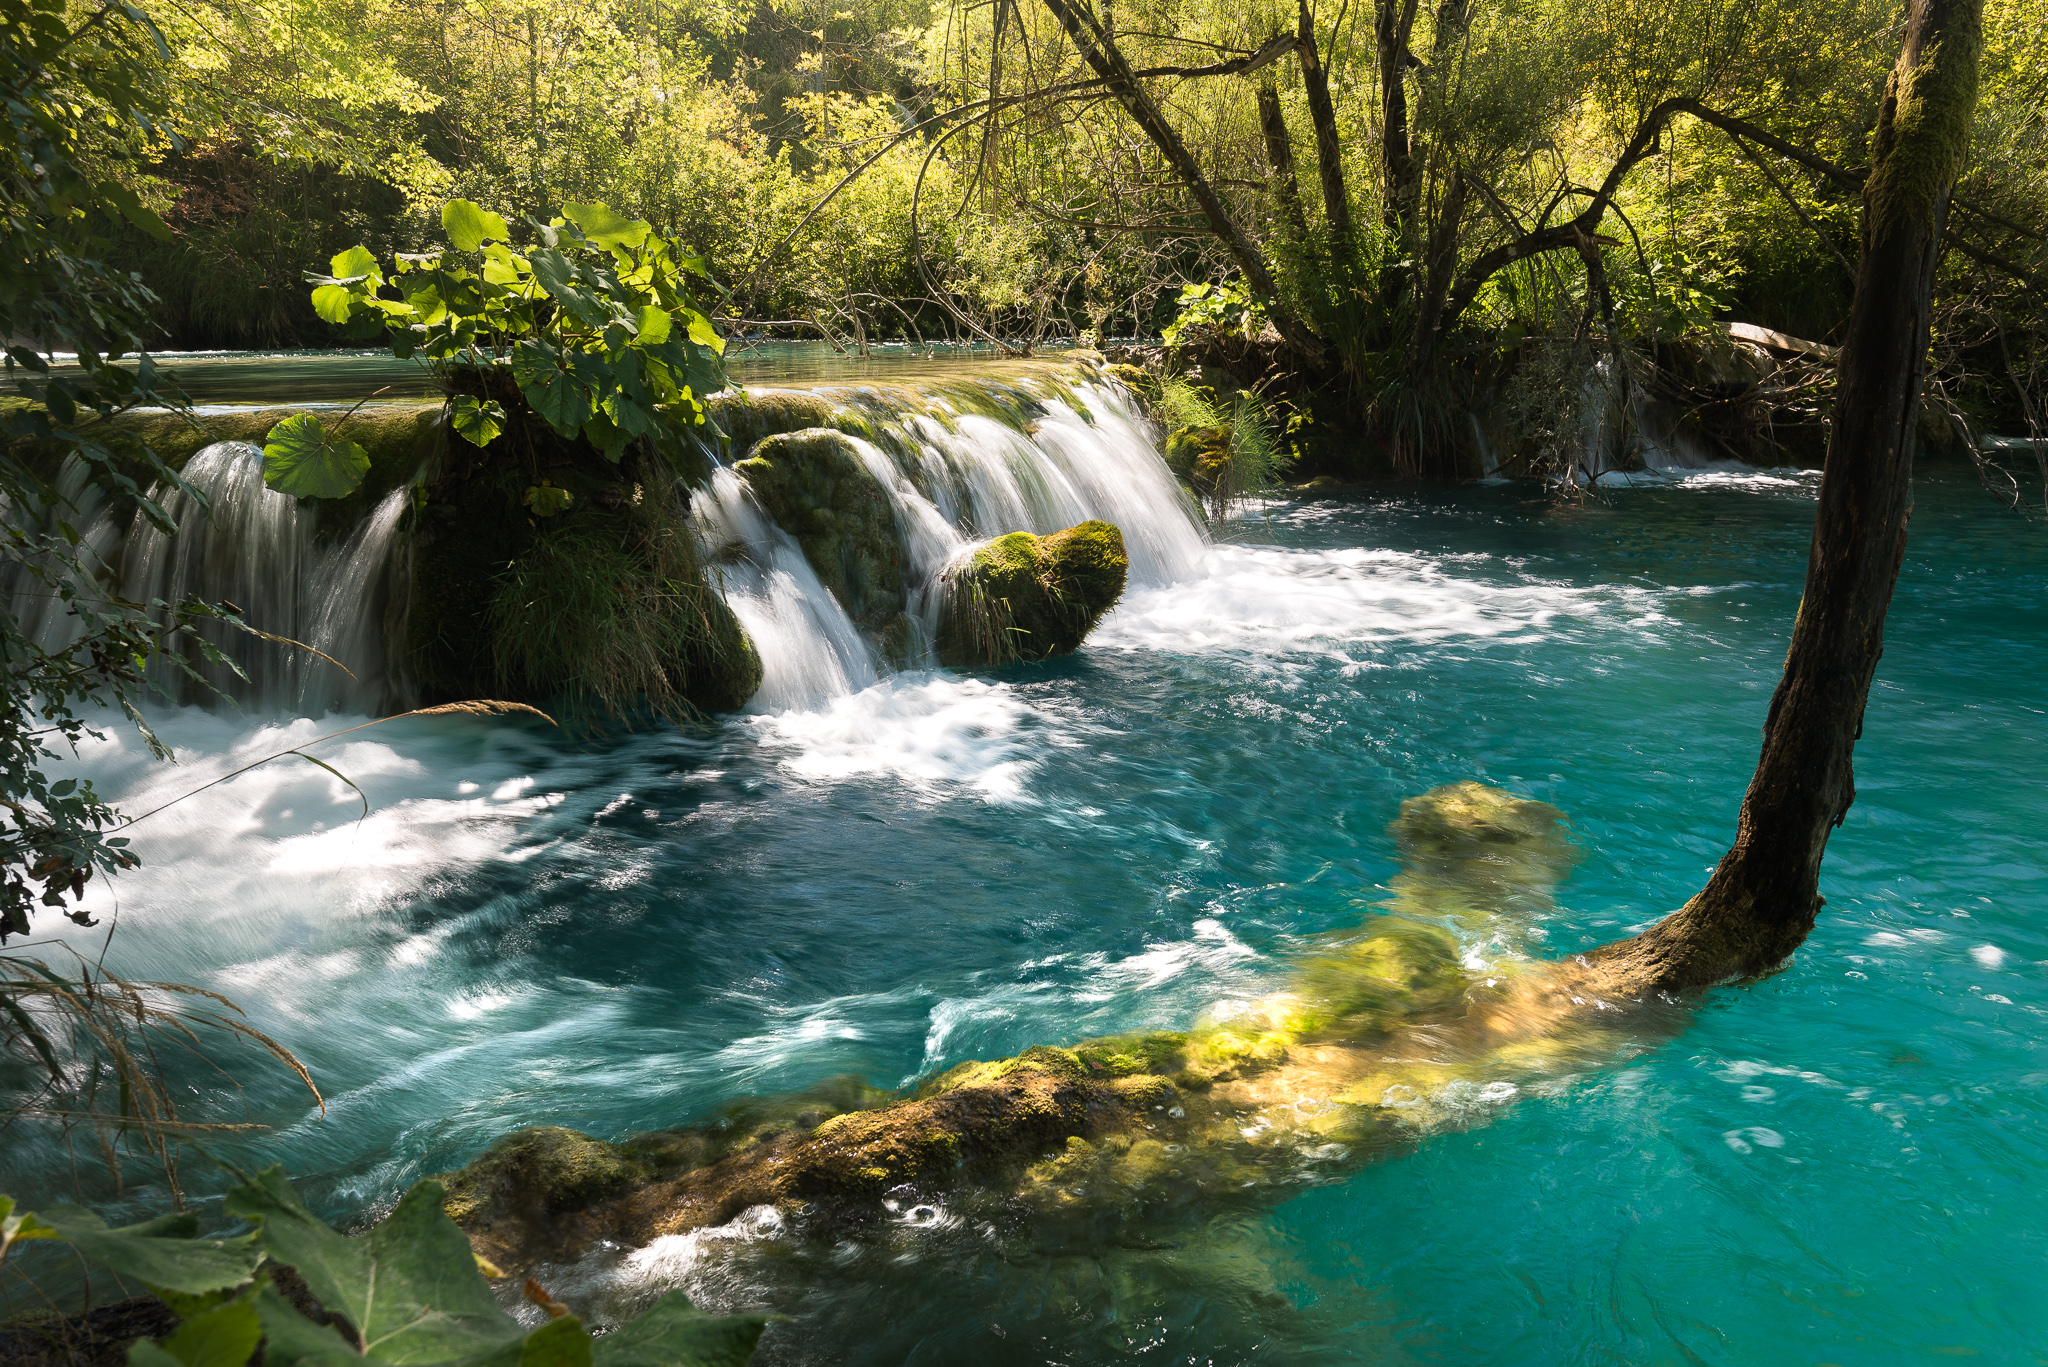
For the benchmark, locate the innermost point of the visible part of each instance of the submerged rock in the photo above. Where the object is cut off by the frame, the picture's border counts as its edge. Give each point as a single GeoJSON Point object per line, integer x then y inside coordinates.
{"type": "Point", "coordinates": [1025, 597]}
{"type": "Point", "coordinates": [1384, 1033]}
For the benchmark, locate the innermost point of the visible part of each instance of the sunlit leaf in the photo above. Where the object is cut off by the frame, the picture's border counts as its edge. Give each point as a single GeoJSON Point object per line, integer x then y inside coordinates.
{"type": "Point", "coordinates": [654, 325]}
{"type": "Point", "coordinates": [469, 227]}
{"type": "Point", "coordinates": [355, 264]}
{"type": "Point", "coordinates": [702, 333]}
{"type": "Point", "coordinates": [606, 228]}
{"type": "Point", "coordinates": [334, 302]}
{"type": "Point", "coordinates": [478, 423]}
{"type": "Point", "coordinates": [301, 459]}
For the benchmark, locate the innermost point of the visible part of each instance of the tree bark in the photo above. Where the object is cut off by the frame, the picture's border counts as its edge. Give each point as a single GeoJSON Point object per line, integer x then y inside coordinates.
{"type": "Point", "coordinates": [1393, 22]}
{"type": "Point", "coordinates": [1322, 113]}
{"type": "Point", "coordinates": [1761, 901]}
{"type": "Point", "coordinates": [1100, 51]}
{"type": "Point", "coordinates": [1280, 156]}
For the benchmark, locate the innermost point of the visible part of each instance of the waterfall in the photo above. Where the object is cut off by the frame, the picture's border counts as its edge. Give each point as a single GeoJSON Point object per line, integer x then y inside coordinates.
{"type": "Point", "coordinates": [256, 549]}
{"type": "Point", "coordinates": [959, 463]}
{"type": "Point", "coordinates": [954, 479]}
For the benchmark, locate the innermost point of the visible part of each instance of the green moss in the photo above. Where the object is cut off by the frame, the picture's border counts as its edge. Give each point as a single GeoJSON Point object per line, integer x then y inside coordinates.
{"type": "Point", "coordinates": [602, 610]}
{"type": "Point", "coordinates": [1122, 1055]}
{"type": "Point", "coordinates": [1025, 597]}
{"type": "Point", "coordinates": [815, 486]}
{"type": "Point", "coordinates": [1365, 985]}
{"type": "Point", "coordinates": [750, 415]}
{"type": "Point", "coordinates": [537, 1173]}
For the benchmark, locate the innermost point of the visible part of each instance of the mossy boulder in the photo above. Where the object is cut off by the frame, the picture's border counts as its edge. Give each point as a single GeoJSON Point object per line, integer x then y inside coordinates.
{"type": "Point", "coordinates": [1199, 457]}
{"type": "Point", "coordinates": [749, 415]}
{"type": "Point", "coordinates": [545, 1170]}
{"type": "Point", "coordinates": [817, 488]}
{"type": "Point", "coordinates": [1025, 597]}
{"type": "Point", "coordinates": [1137, 379]}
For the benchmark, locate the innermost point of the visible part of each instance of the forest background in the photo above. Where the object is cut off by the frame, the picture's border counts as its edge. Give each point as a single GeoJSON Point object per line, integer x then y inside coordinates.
{"type": "Point", "coordinates": [1373, 152]}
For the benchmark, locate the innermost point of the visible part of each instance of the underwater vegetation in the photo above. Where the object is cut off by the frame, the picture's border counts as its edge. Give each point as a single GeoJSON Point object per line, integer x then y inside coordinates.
{"type": "Point", "coordinates": [1422, 1018]}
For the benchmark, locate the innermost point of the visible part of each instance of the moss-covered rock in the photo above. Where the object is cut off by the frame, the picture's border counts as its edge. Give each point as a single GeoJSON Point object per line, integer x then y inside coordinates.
{"type": "Point", "coordinates": [595, 600]}
{"type": "Point", "coordinates": [1199, 457]}
{"type": "Point", "coordinates": [749, 415]}
{"type": "Point", "coordinates": [817, 488]}
{"type": "Point", "coordinates": [1025, 597]}
{"type": "Point", "coordinates": [546, 1170]}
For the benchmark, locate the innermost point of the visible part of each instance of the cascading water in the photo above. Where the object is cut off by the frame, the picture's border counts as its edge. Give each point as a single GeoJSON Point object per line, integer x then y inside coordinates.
{"type": "Point", "coordinates": [260, 551]}
{"type": "Point", "coordinates": [959, 464]}
{"type": "Point", "coordinates": [954, 479]}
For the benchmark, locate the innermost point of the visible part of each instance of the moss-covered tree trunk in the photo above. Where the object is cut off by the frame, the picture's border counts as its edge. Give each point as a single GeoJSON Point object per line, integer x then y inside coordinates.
{"type": "Point", "coordinates": [1762, 898]}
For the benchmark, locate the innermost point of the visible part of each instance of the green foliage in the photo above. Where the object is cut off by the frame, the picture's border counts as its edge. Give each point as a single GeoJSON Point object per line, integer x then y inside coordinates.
{"type": "Point", "coordinates": [74, 95]}
{"type": "Point", "coordinates": [410, 1291]}
{"type": "Point", "coordinates": [1228, 306]}
{"type": "Point", "coordinates": [612, 618]}
{"type": "Point", "coordinates": [600, 323]}
{"type": "Point", "coordinates": [1226, 450]}
{"type": "Point", "coordinates": [301, 458]}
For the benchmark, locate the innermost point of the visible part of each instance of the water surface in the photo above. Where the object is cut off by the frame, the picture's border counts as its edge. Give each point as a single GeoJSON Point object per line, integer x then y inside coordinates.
{"type": "Point", "coordinates": [1836, 1165]}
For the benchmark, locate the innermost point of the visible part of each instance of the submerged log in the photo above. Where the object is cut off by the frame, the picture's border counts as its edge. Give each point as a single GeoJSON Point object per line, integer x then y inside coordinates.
{"type": "Point", "coordinates": [1383, 1035]}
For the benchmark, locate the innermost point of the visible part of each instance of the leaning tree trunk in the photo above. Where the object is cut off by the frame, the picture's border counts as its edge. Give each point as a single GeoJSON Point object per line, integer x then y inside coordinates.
{"type": "Point", "coordinates": [1763, 896]}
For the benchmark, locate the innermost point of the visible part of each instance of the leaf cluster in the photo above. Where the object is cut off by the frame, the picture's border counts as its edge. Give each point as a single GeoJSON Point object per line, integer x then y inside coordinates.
{"type": "Point", "coordinates": [408, 1291]}
{"type": "Point", "coordinates": [600, 322]}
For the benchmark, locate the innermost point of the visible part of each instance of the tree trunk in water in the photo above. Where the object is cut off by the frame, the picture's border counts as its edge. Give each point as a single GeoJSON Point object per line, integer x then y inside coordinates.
{"type": "Point", "coordinates": [1763, 896]}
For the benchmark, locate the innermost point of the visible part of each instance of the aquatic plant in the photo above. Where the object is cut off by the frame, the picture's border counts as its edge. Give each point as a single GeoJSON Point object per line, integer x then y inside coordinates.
{"type": "Point", "coordinates": [293, 1290]}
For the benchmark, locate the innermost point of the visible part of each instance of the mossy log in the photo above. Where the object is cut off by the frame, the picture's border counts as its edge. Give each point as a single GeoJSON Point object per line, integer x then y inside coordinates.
{"type": "Point", "coordinates": [1025, 597]}
{"type": "Point", "coordinates": [1384, 1034]}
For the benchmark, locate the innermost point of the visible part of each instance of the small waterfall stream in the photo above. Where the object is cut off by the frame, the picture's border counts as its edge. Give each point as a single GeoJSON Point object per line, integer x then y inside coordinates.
{"type": "Point", "coordinates": [959, 462]}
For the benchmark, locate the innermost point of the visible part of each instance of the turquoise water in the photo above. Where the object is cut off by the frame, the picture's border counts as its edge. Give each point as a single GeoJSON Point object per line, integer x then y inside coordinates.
{"type": "Point", "coordinates": [1836, 1165]}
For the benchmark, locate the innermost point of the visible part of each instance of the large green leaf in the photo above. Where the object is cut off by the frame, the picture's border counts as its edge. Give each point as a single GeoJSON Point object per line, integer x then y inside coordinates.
{"type": "Point", "coordinates": [225, 1336]}
{"type": "Point", "coordinates": [606, 228]}
{"type": "Point", "coordinates": [158, 1253]}
{"type": "Point", "coordinates": [469, 227]}
{"type": "Point", "coordinates": [410, 1285]}
{"type": "Point", "coordinates": [478, 422]}
{"type": "Point", "coordinates": [655, 325]}
{"type": "Point", "coordinates": [545, 381]}
{"type": "Point", "coordinates": [334, 303]}
{"type": "Point", "coordinates": [674, 1333]}
{"type": "Point", "coordinates": [301, 459]}
{"type": "Point", "coordinates": [355, 264]}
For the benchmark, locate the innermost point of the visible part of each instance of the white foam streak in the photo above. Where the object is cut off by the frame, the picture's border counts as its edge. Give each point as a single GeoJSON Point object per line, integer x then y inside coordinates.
{"type": "Point", "coordinates": [1279, 601]}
